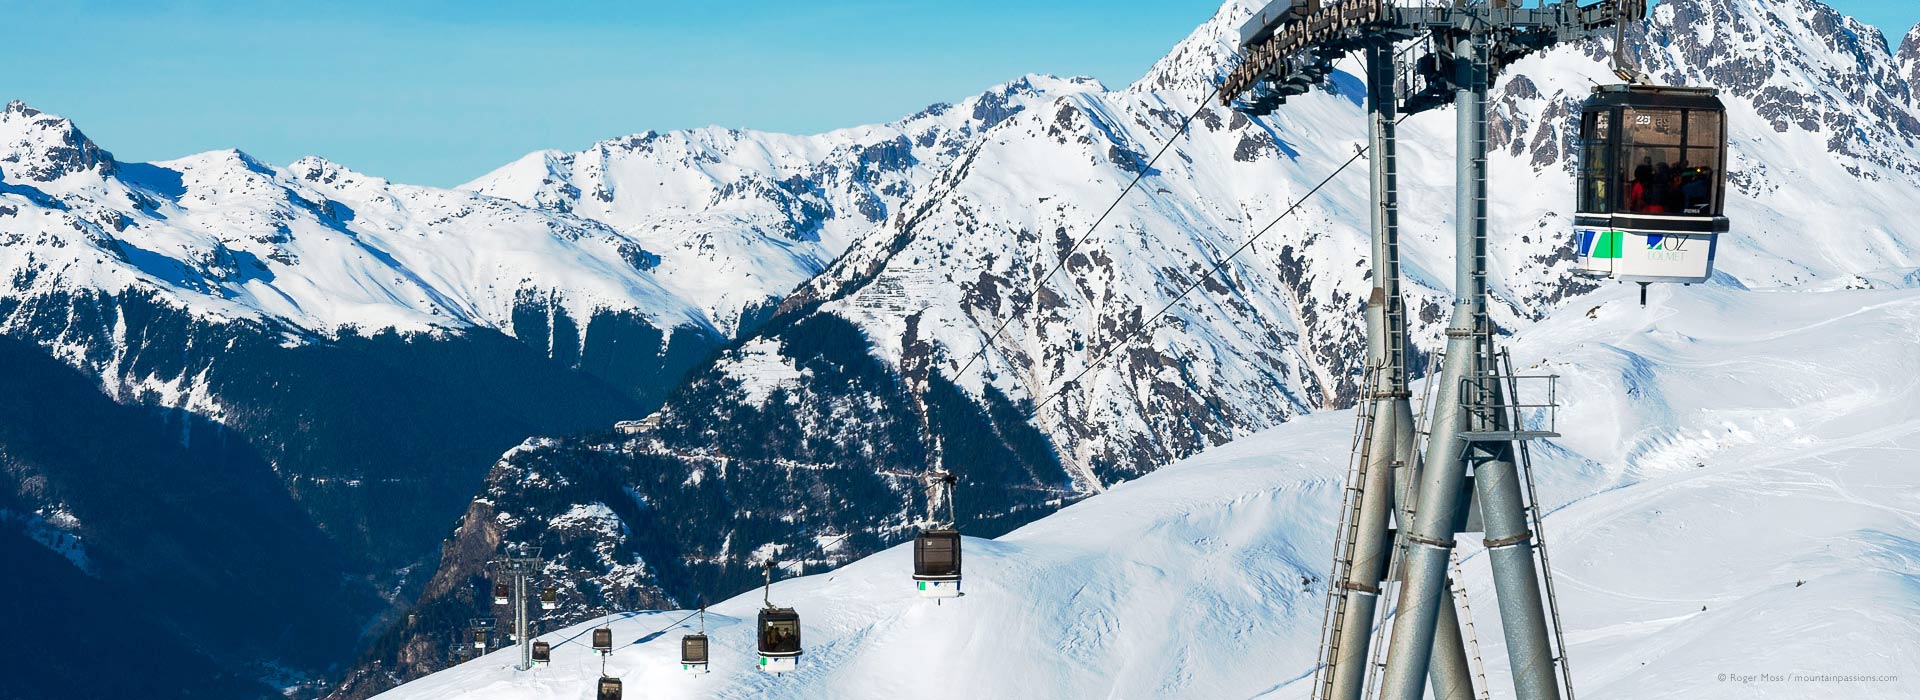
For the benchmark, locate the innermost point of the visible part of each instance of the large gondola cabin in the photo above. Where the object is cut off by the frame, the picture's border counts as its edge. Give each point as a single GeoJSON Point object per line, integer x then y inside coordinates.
{"type": "Point", "coordinates": [1652, 184]}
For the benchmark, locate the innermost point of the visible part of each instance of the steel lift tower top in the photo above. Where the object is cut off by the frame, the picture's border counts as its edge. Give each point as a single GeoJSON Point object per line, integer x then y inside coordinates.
{"type": "Point", "coordinates": [1453, 50]}
{"type": "Point", "coordinates": [1288, 44]}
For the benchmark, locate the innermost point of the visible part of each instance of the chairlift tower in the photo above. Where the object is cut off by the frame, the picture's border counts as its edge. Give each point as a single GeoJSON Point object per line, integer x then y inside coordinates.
{"type": "Point", "coordinates": [520, 564]}
{"type": "Point", "coordinates": [1456, 49]}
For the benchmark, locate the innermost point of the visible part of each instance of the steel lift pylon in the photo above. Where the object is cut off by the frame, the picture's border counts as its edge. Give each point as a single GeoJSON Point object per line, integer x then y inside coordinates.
{"type": "Point", "coordinates": [1474, 416]}
{"type": "Point", "coordinates": [520, 565]}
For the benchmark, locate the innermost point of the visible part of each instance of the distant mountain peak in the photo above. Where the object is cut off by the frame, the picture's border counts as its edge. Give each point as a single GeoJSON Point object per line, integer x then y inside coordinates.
{"type": "Point", "coordinates": [320, 171]}
{"type": "Point", "coordinates": [1195, 63]}
{"type": "Point", "coordinates": [39, 147]}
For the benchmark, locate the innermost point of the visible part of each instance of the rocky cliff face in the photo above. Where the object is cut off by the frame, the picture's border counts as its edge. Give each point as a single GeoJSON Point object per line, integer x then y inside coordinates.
{"type": "Point", "coordinates": [802, 442]}
{"type": "Point", "coordinates": [1909, 60]}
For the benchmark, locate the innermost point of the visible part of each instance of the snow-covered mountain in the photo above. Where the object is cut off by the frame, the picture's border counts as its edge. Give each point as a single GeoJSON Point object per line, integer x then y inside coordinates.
{"type": "Point", "coordinates": [373, 346]}
{"type": "Point", "coordinates": [338, 337]}
{"type": "Point", "coordinates": [691, 234]}
{"type": "Point", "coordinates": [1909, 58]}
{"type": "Point", "coordinates": [1818, 114]}
{"type": "Point", "coordinates": [1731, 498]}
{"type": "Point", "coordinates": [814, 427]}
{"type": "Point", "coordinates": [314, 244]}
{"type": "Point", "coordinates": [741, 218]}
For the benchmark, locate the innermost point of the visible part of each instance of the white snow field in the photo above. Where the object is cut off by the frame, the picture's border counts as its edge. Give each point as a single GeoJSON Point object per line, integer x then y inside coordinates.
{"type": "Point", "coordinates": [1736, 497]}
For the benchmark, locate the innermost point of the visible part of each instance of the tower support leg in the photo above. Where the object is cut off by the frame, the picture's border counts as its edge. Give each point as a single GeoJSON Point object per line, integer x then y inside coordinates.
{"type": "Point", "coordinates": [1449, 674]}
{"type": "Point", "coordinates": [1370, 546]}
{"type": "Point", "coordinates": [1523, 619]}
{"type": "Point", "coordinates": [1441, 480]}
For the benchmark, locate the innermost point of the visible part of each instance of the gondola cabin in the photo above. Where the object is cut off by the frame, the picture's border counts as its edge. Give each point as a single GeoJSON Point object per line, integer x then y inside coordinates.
{"type": "Point", "coordinates": [779, 640]}
{"type": "Point", "coordinates": [1652, 184]}
{"type": "Point", "coordinates": [501, 593]}
{"type": "Point", "coordinates": [549, 599]}
{"type": "Point", "coordinates": [480, 639]}
{"type": "Point", "coordinates": [542, 652]}
{"type": "Point", "coordinates": [609, 688]}
{"type": "Point", "coordinates": [693, 653]}
{"type": "Point", "coordinates": [936, 563]}
{"type": "Point", "coordinates": [603, 640]}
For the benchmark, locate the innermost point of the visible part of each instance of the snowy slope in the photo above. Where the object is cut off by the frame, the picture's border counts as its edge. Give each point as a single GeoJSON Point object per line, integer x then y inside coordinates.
{"type": "Point", "coordinates": [1734, 494]}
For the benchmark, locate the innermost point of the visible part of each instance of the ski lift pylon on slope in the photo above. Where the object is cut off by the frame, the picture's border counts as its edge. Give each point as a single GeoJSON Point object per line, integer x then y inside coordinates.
{"type": "Point", "coordinates": [779, 632]}
{"type": "Point", "coordinates": [936, 551]}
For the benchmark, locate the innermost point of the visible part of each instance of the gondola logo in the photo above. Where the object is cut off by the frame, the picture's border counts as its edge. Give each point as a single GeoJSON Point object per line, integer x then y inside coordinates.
{"type": "Point", "coordinates": [1604, 245]}
{"type": "Point", "coordinates": [1674, 244]}
{"type": "Point", "coordinates": [1667, 248]}
{"type": "Point", "coordinates": [1611, 245]}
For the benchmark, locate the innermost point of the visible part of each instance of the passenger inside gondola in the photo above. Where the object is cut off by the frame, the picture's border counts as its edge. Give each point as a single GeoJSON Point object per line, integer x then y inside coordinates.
{"type": "Point", "coordinates": [779, 635]}
{"type": "Point", "coordinates": [1697, 188]}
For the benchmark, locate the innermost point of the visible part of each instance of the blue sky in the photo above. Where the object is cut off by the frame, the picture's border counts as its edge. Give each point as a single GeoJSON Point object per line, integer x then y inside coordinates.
{"type": "Point", "coordinates": [440, 91]}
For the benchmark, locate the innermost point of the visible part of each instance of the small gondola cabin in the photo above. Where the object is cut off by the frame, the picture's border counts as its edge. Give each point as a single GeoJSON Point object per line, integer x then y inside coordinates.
{"type": "Point", "coordinates": [603, 640]}
{"type": "Point", "coordinates": [609, 688]}
{"type": "Point", "coordinates": [936, 563]}
{"type": "Point", "coordinates": [1651, 184]}
{"type": "Point", "coordinates": [779, 639]}
{"type": "Point", "coordinates": [693, 653]}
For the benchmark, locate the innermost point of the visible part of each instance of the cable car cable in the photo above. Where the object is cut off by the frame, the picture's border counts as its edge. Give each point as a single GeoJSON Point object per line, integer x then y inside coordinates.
{"type": "Point", "coordinates": [676, 623]}
{"type": "Point", "coordinates": [1217, 266]}
{"type": "Point", "coordinates": [1185, 124]}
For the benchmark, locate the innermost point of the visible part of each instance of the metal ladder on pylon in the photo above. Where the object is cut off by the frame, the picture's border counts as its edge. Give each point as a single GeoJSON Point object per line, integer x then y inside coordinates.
{"type": "Point", "coordinates": [1334, 615]}
{"type": "Point", "coordinates": [1470, 636]}
{"type": "Point", "coordinates": [1539, 536]}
